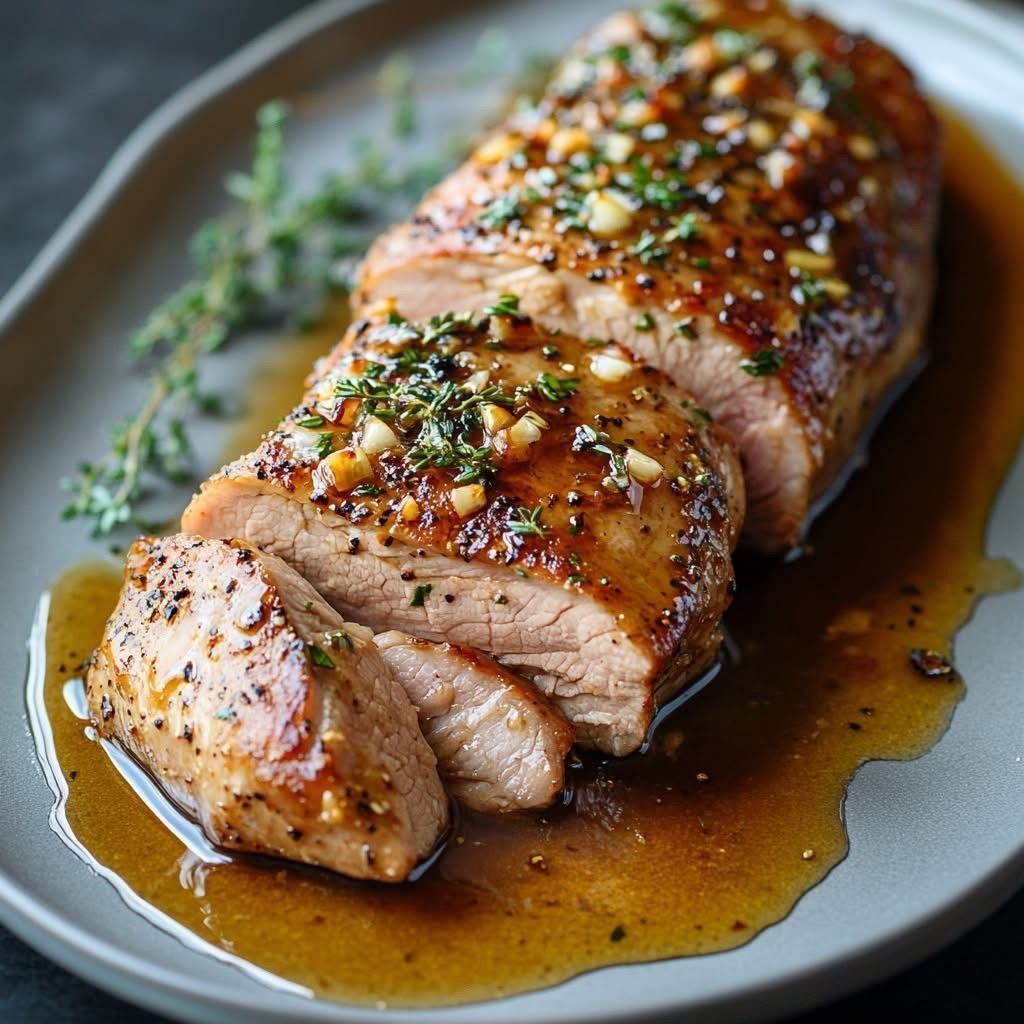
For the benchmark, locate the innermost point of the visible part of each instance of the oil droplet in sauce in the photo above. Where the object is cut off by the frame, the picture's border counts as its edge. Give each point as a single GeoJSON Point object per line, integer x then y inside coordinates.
{"type": "Point", "coordinates": [735, 811]}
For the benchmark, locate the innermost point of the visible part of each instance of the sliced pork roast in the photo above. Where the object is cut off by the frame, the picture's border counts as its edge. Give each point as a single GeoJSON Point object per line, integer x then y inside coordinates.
{"type": "Point", "coordinates": [552, 502]}
{"type": "Point", "coordinates": [500, 744]}
{"type": "Point", "coordinates": [743, 195]}
{"type": "Point", "coordinates": [262, 714]}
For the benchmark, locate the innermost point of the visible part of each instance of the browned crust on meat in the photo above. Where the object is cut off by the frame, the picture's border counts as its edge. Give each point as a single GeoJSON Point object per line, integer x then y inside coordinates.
{"type": "Point", "coordinates": [593, 534]}
{"type": "Point", "coordinates": [851, 173]}
{"type": "Point", "coordinates": [266, 748]}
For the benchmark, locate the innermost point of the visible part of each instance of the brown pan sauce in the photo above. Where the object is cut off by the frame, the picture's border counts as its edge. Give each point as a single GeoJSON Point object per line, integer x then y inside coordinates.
{"type": "Point", "coordinates": [736, 810]}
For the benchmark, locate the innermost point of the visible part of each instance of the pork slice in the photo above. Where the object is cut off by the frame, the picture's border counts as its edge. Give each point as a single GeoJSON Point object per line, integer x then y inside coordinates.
{"type": "Point", "coordinates": [501, 746]}
{"type": "Point", "coordinates": [591, 551]}
{"type": "Point", "coordinates": [747, 202]}
{"type": "Point", "coordinates": [262, 713]}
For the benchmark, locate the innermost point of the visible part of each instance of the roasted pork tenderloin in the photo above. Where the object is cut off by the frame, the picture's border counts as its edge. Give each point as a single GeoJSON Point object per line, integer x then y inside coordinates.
{"type": "Point", "coordinates": [553, 502]}
{"type": "Point", "coordinates": [262, 714]}
{"type": "Point", "coordinates": [500, 745]}
{"type": "Point", "coordinates": [743, 195]}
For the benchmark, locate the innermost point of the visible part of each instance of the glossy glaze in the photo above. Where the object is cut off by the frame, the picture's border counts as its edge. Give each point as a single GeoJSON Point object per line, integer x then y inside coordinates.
{"type": "Point", "coordinates": [736, 811]}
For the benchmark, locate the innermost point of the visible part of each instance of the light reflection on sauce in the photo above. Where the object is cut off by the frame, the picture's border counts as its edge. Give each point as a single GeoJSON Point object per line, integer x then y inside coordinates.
{"type": "Point", "coordinates": [736, 810]}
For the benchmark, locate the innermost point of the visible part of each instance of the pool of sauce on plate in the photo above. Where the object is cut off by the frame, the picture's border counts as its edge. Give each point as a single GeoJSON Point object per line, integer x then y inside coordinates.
{"type": "Point", "coordinates": [736, 811]}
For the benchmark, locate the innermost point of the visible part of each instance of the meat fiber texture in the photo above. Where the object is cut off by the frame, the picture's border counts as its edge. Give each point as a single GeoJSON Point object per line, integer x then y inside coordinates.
{"type": "Point", "coordinates": [556, 504]}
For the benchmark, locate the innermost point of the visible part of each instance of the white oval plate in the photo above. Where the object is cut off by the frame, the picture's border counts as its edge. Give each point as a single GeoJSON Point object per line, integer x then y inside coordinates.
{"type": "Point", "coordinates": [935, 844]}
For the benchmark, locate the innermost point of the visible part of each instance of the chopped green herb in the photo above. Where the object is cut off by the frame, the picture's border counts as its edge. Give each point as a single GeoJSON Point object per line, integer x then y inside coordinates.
{"type": "Point", "coordinates": [526, 521]}
{"type": "Point", "coordinates": [550, 352]}
{"type": "Point", "coordinates": [503, 210]}
{"type": "Point", "coordinates": [577, 578]}
{"type": "Point", "coordinates": [702, 262]}
{"type": "Point", "coordinates": [319, 656]}
{"type": "Point", "coordinates": [645, 323]}
{"type": "Point", "coordinates": [733, 45]}
{"type": "Point", "coordinates": [324, 445]}
{"type": "Point", "coordinates": [556, 389]}
{"type": "Point", "coordinates": [587, 439]}
{"type": "Point", "coordinates": [686, 329]}
{"type": "Point", "coordinates": [310, 422]}
{"type": "Point", "coordinates": [367, 491]}
{"type": "Point", "coordinates": [699, 414]}
{"type": "Point", "coordinates": [420, 594]}
{"type": "Point", "coordinates": [597, 343]}
{"type": "Point", "coordinates": [685, 229]}
{"type": "Point", "coordinates": [648, 249]}
{"type": "Point", "coordinates": [763, 363]}
{"type": "Point", "coordinates": [507, 305]}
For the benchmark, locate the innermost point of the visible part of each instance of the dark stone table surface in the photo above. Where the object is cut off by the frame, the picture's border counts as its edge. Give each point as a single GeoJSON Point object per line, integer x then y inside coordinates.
{"type": "Point", "coordinates": [75, 79]}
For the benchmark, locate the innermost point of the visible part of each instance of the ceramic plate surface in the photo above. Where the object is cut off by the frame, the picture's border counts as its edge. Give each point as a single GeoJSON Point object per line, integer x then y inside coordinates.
{"type": "Point", "coordinates": [934, 844]}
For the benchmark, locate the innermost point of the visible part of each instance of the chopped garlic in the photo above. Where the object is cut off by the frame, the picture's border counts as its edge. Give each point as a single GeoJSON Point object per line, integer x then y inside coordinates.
{"type": "Point", "coordinates": [761, 134]}
{"type": "Point", "coordinates": [377, 436]}
{"type": "Point", "coordinates": [834, 288]}
{"type": "Point", "coordinates": [812, 262]}
{"type": "Point", "coordinates": [476, 382]}
{"type": "Point", "coordinates": [496, 418]}
{"type": "Point", "coordinates": [610, 368]}
{"type": "Point", "coordinates": [761, 61]}
{"type": "Point", "coordinates": [524, 433]}
{"type": "Point", "coordinates": [731, 82]}
{"type": "Point", "coordinates": [409, 510]}
{"type": "Point", "coordinates": [701, 54]}
{"type": "Point", "coordinates": [347, 467]}
{"type": "Point", "coordinates": [806, 122]}
{"type": "Point", "coordinates": [642, 467]}
{"type": "Point", "coordinates": [618, 147]}
{"type": "Point", "coordinates": [779, 166]}
{"type": "Point", "coordinates": [608, 213]}
{"type": "Point", "coordinates": [469, 499]}
{"type": "Point", "coordinates": [722, 124]}
{"type": "Point", "coordinates": [637, 113]}
{"type": "Point", "coordinates": [567, 141]}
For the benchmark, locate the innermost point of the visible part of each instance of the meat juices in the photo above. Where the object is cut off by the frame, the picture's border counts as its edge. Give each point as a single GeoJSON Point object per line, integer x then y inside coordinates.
{"type": "Point", "coordinates": [586, 465]}
{"type": "Point", "coordinates": [746, 200]}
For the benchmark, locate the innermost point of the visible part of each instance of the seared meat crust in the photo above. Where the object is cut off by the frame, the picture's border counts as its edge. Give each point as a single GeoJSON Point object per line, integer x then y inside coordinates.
{"type": "Point", "coordinates": [262, 714]}
{"type": "Point", "coordinates": [480, 481]}
{"type": "Point", "coordinates": [745, 199]}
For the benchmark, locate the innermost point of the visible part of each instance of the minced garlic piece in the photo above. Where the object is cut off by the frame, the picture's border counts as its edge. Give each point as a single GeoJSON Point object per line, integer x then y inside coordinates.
{"type": "Point", "coordinates": [347, 467]}
{"type": "Point", "coordinates": [642, 467]}
{"type": "Point", "coordinates": [469, 499]}
{"type": "Point", "coordinates": [608, 213]}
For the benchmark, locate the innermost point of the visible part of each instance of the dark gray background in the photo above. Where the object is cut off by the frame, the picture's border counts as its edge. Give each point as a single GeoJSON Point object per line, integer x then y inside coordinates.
{"type": "Point", "coordinates": [75, 79]}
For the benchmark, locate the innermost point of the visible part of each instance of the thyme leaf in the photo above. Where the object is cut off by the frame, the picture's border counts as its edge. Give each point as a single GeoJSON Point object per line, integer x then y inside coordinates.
{"type": "Point", "coordinates": [525, 522]}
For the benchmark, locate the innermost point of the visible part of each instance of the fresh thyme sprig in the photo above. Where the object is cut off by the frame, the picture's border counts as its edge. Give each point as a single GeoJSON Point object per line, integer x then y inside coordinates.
{"type": "Point", "coordinates": [278, 252]}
